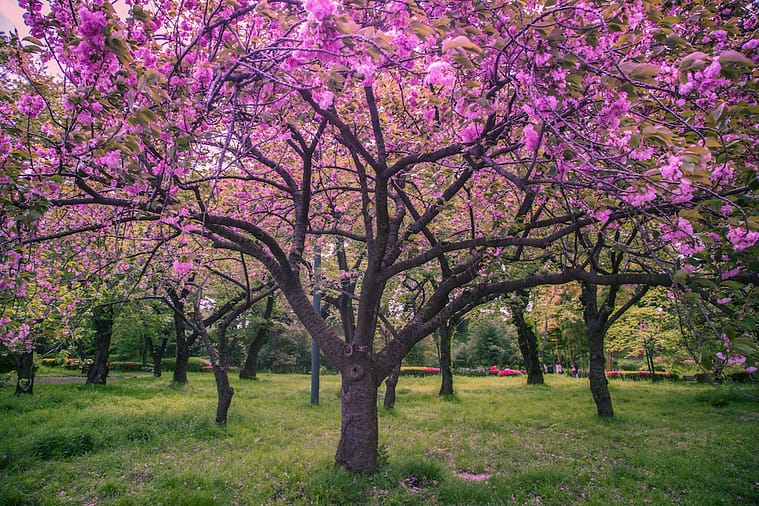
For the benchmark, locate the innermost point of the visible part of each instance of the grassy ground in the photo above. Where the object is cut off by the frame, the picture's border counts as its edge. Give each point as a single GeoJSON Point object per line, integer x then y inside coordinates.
{"type": "Point", "coordinates": [140, 441]}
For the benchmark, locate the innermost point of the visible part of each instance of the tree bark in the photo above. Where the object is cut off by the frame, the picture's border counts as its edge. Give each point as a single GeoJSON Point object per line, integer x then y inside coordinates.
{"type": "Point", "coordinates": [599, 385]}
{"type": "Point", "coordinates": [102, 319]}
{"type": "Point", "coordinates": [358, 447]}
{"type": "Point", "coordinates": [528, 342]}
{"type": "Point", "coordinates": [25, 373]}
{"type": "Point", "coordinates": [596, 322]}
{"type": "Point", "coordinates": [156, 353]}
{"type": "Point", "coordinates": [250, 368]}
{"type": "Point", "coordinates": [390, 383]}
{"type": "Point", "coordinates": [224, 393]}
{"type": "Point", "coordinates": [446, 375]}
{"type": "Point", "coordinates": [183, 344]}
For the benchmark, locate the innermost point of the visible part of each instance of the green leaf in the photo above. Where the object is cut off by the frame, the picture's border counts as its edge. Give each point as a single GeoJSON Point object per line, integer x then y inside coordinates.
{"type": "Point", "coordinates": [693, 61]}
{"type": "Point", "coordinates": [346, 25]}
{"type": "Point", "coordinates": [681, 276]}
{"type": "Point", "coordinates": [691, 215]}
{"type": "Point", "coordinates": [718, 112]}
{"type": "Point", "coordinates": [33, 40]}
{"type": "Point", "coordinates": [639, 71]}
{"type": "Point", "coordinates": [657, 132]}
{"type": "Point", "coordinates": [463, 42]}
{"type": "Point", "coordinates": [731, 57]}
{"type": "Point", "coordinates": [421, 30]}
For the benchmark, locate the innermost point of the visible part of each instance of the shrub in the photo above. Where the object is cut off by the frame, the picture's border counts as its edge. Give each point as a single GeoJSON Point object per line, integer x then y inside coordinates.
{"type": "Point", "coordinates": [471, 371]}
{"type": "Point", "coordinates": [7, 362]}
{"type": "Point", "coordinates": [639, 375]}
{"type": "Point", "coordinates": [126, 366]}
{"type": "Point", "coordinates": [413, 370]}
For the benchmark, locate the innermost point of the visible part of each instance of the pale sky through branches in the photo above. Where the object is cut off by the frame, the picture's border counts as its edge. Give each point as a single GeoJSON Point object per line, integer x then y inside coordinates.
{"type": "Point", "coordinates": [11, 16]}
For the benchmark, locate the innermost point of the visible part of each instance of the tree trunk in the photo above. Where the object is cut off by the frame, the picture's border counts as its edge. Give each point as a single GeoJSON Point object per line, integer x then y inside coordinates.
{"type": "Point", "coordinates": [528, 342]}
{"type": "Point", "coordinates": [25, 373]}
{"type": "Point", "coordinates": [224, 393]}
{"type": "Point", "coordinates": [390, 383]}
{"type": "Point", "coordinates": [446, 375]}
{"type": "Point", "coordinates": [358, 447]}
{"type": "Point", "coordinates": [250, 368]}
{"type": "Point", "coordinates": [102, 319]}
{"type": "Point", "coordinates": [599, 385]}
{"type": "Point", "coordinates": [183, 345]}
{"type": "Point", "coordinates": [156, 353]}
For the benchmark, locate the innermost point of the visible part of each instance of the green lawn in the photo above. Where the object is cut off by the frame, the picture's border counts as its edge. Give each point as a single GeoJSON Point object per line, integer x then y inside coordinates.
{"type": "Point", "coordinates": [139, 441]}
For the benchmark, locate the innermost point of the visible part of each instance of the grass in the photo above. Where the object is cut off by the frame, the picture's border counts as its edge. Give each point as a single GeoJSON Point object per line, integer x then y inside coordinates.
{"type": "Point", "coordinates": [140, 440]}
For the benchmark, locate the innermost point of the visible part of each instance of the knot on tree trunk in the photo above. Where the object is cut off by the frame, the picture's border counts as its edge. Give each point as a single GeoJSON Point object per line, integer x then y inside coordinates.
{"type": "Point", "coordinates": [356, 371]}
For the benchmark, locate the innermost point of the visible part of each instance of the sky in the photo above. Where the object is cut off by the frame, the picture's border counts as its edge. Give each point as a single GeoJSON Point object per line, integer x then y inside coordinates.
{"type": "Point", "coordinates": [11, 17]}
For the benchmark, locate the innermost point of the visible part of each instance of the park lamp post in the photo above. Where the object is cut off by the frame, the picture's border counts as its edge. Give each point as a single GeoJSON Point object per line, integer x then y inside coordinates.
{"type": "Point", "coordinates": [315, 359]}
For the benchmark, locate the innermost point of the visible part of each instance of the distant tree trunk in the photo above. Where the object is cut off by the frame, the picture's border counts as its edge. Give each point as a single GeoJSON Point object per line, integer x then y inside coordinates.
{"type": "Point", "coordinates": [446, 375]}
{"type": "Point", "coordinates": [102, 319]}
{"type": "Point", "coordinates": [358, 447]}
{"type": "Point", "coordinates": [25, 373]}
{"type": "Point", "coordinates": [183, 344]}
{"type": "Point", "coordinates": [390, 383]}
{"type": "Point", "coordinates": [528, 342]}
{"type": "Point", "coordinates": [250, 368]}
{"type": "Point", "coordinates": [156, 353]}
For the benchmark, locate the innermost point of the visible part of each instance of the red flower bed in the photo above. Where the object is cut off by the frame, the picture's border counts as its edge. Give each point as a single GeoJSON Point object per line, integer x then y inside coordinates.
{"type": "Point", "coordinates": [509, 372]}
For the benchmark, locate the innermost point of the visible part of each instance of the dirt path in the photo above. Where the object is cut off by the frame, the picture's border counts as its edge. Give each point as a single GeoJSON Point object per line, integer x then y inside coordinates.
{"type": "Point", "coordinates": [64, 380]}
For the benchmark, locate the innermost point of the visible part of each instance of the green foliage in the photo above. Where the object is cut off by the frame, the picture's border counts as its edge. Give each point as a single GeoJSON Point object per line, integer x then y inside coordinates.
{"type": "Point", "coordinates": [7, 361]}
{"type": "Point", "coordinates": [423, 353]}
{"type": "Point", "coordinates": [134, 323]}
{"type": "Point", "coordinates": [489, 343]}
{"type": "Point", "coordinates": [287, 351]}
{"type": "Point", "coordinates": [194, 364]}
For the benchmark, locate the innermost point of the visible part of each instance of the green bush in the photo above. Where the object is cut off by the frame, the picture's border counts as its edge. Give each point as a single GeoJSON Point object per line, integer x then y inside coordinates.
{"type": "Point", "coordinates": [196, 364]}
{"type": "Point", "coordinates": [126, 366]}
{"type": "Point", "coordinates": [7, 362]}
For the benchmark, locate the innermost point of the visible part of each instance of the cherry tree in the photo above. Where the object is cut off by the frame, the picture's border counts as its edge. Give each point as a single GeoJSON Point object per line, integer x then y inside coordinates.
{"type": "Point", "coordinates": [450, 138]}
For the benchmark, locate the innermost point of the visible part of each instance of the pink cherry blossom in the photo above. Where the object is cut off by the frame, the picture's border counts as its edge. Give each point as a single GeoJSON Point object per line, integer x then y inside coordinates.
{"type": "Point", "coordinates": [31, 105]}
{"type": "Point", "coordinates": [182, 268]}
{"type": "Point", "coordinates": [741, 238]}
{"type": "Point", "coordinates": [320, 10]}
{"type": "Point", "coordinates": [440, 72]}
{"type": "Point", "coordinates": [530, 137]}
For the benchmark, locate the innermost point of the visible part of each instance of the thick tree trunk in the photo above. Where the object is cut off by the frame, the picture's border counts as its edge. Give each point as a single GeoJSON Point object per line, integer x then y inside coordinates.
{"type": "Point", "coordinates": [446, 375]}
{"type": "Point", "coordinates": [390, 383]}
{"type": "Point", "coordinates": [25, 373]}
{"type": "Point", "coordinates": [358, 447]}
{"type": "Point", "coordinates": [102, 318]}
{"type": "Point", "coordinates": [599, 385]}
{"type": "Point", "coordinates": [224, 393]}
{"type": "Point", "coordinates": [250, 368]}
{"type": "Point", "coordinates": [183, 345]}
{"type": "Point", "coordinates": [528, 342]}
